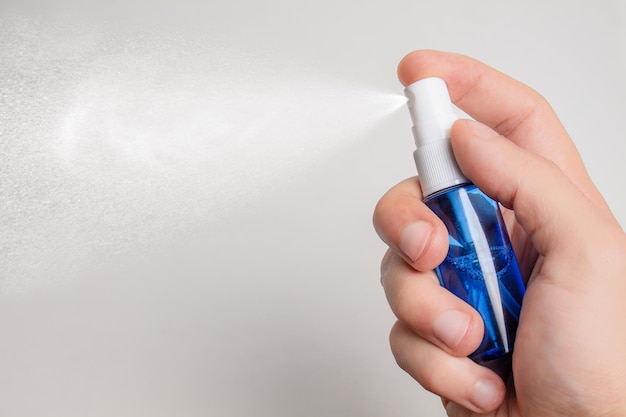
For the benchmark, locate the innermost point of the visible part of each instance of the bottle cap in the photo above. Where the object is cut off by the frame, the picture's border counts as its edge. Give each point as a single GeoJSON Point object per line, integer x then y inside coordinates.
{"type": "Point", "coordinates": [433, 115]}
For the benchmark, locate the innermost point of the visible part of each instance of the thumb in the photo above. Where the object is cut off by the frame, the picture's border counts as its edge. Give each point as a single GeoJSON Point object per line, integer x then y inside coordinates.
{"type": "Point", "coordinates": [546, 203]}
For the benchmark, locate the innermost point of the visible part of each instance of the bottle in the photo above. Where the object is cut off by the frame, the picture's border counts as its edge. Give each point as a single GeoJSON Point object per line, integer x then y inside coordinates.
{"type": "Point", "coordinates": [480, 267]}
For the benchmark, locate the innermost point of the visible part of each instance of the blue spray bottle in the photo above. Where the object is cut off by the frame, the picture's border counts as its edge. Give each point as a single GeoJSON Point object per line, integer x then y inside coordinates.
{"type": "Point", "coordinates": [480, 266]}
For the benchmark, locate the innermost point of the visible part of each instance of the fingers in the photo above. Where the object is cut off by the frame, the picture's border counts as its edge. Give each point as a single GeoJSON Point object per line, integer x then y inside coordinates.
{"type": "Point", "coordinates": [435, 333]}
{"type": "Point", "coordinates": [489, 96]}
{"type": "Point", "coordinates": [409, 227]}
{"type": "Point", "coordinates": [417, 299]}
{"type": "Point", "coordinates": [509, 107]}
{"type": "Point", "coordinates": [455, 378]}
{"type": "Point", "coordinates": [545, 201]}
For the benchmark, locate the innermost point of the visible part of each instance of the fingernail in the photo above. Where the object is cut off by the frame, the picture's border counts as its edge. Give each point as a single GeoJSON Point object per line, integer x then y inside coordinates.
{"type": "Point", "coordinates": [485, 394]}
{"type": "Point", "coordinates": [450, 327]}
{"type": "Point", "coordinates": [413, 239]}
{"type": "Point", "coordinates": [481, 130]}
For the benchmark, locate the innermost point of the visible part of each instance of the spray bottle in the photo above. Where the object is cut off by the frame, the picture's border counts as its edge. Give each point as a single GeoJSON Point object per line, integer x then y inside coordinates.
{"type": "Point", "coordinates": [480, 266]}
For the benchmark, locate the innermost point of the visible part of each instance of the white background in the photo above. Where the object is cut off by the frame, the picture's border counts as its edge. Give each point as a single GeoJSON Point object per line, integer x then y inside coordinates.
{"type": "Point", "coordinates": [186, 192]}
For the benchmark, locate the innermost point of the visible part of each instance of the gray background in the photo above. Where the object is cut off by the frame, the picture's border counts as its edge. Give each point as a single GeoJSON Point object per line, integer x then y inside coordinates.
{"type": "Point", "coordinates": [186, 192]}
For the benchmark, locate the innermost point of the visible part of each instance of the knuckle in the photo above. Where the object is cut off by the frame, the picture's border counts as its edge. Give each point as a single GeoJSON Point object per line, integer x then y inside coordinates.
{"type": "Point", "coordinates": [397, 337]}
{"type": "Point", "coordinates": [385, 265]}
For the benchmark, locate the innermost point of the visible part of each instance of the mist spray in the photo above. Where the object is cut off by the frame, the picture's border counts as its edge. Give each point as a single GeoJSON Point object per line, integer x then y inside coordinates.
{"type": "Point", "coordinates": [480, 267]}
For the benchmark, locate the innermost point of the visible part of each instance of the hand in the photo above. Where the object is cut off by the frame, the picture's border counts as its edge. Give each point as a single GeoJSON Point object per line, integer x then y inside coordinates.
{"type": "Point", "coordinates": [570, 352]}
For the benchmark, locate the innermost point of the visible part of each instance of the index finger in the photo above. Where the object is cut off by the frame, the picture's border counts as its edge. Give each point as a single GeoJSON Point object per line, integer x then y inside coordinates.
{"type": "Point", "coordinates": [508, 106]}
{"type": "Point", "coordinates": [491, 97]}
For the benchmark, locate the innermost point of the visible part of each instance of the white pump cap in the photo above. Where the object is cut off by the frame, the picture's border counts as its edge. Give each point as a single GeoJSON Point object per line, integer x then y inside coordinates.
{"type": "Point", "coordinates": [433, 115]}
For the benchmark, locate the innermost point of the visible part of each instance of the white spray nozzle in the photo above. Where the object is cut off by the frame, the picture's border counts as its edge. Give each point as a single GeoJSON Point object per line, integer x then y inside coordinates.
{"type": "Point", "coordinates": [431, 110]}
{"type": "Point", "coordinates": [433, 116]}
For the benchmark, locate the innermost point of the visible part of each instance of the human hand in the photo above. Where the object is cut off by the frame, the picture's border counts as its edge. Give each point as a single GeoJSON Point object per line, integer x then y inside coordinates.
{"type": "Point", "coordinates": [569, 355]}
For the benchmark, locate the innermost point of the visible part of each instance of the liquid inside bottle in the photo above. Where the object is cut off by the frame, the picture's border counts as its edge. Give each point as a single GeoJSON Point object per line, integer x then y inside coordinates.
{"type": "Point", "coordinates": [481, 268]}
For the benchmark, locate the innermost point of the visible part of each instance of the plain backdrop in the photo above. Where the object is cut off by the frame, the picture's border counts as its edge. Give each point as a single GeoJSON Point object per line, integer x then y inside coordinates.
{"type": "Point", "coordinates": [186, 192]}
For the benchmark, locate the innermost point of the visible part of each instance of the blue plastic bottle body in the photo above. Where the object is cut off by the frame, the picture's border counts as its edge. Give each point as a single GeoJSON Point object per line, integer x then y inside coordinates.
{"type": "Point", "coordinates": [481, 268]}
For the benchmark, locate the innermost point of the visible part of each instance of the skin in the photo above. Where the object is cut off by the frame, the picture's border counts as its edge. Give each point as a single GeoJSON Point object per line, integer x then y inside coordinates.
{"type": "Point", "coordinates": [570, 352]}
